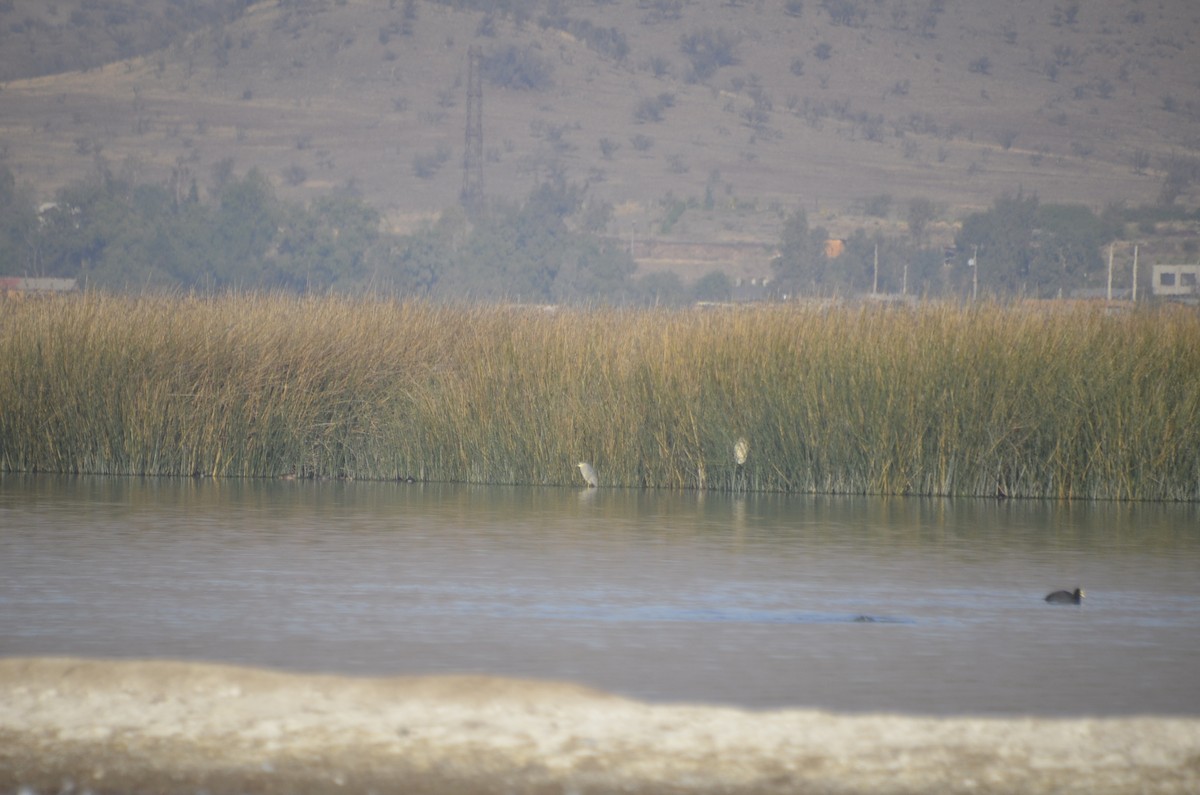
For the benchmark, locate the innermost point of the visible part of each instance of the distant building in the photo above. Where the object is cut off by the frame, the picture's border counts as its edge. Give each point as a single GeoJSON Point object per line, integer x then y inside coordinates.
{"type": "Point", "coordinates": [751, 290]}
{"type": "Point", "coordinates": [19, 287]}
{"type": "Point", "coordinates": [1176, 281]}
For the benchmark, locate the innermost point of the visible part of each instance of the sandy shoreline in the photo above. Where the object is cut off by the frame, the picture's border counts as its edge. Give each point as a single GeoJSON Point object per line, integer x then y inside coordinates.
{"type": "Point", "coordinates": [139, 726]}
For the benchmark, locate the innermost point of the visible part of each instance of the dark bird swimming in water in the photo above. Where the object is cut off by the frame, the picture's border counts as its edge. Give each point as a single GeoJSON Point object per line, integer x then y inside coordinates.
{"type": "Point", "coordinates": [1065, 597]}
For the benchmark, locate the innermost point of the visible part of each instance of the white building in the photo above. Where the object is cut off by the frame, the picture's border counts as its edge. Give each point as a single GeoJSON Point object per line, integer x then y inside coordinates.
{"type": "Point", "coordinates": [1176, 281]}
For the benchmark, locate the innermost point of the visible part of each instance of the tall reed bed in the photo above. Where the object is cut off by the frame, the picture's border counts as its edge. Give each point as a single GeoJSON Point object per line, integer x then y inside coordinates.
{"type": "Point", "coordinates": [935, 400]}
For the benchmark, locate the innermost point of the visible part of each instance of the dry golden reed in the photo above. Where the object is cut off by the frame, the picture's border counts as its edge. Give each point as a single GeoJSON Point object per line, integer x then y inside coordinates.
{"type": "Point", "coordinates": [933, 400]}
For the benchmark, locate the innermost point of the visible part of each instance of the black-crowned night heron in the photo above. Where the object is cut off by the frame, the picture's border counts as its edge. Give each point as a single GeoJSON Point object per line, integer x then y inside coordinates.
{"type": "Point", "coordinates": [1065, 597]}
{"type": "Point", "coordinates": [741, 451]}
{"type": "Point", "coordinates": [589, 475]}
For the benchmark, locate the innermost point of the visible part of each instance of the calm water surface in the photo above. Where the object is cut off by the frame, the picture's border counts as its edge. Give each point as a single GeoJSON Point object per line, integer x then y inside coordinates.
{"type": "Point", "coordinates": [668, 597]}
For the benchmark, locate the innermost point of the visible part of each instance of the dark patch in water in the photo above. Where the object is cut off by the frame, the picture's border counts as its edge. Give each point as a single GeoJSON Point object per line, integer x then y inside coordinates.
{"type": "Point", "coordinates": [709, 615]}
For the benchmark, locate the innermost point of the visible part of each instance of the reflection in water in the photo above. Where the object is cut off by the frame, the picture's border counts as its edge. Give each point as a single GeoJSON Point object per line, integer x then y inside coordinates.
{"type": "Point", "coordinates": [766, 601]}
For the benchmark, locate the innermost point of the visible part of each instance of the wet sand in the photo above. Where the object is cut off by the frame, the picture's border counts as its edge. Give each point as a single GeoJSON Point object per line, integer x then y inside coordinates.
{"type": "Point", "coordinates": [168, 727]}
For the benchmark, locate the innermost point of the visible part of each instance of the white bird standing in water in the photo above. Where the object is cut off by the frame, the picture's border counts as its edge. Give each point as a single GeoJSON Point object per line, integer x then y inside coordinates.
{"type": "Point", "coordinates": [741, 451]}
{"type": "Point", "coordinates": [589, 475]}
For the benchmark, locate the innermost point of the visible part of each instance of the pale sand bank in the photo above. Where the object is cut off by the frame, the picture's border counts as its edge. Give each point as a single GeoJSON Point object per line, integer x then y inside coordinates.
{"type": "Point", "coordinates": [169, 727]}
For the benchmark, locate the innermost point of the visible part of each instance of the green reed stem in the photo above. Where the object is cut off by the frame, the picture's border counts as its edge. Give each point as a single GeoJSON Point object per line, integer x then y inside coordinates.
{"type": "Point", "coordinates": [937, 400]}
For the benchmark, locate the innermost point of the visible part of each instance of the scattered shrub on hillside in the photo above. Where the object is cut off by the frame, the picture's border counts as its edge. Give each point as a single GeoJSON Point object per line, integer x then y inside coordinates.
{"type": "Point", "coordinates": [845, 12]}
{"type": "Point", "coordinates": [870, 125]}
{"type": "Point", "coordinates": [658, 66]}
{"type": "Point", "coordinates": [518, 68]}
{"type": "Point", "coordinates": [1139, 161]}
{"type": "Point", "coordinates": [920, 212]}
{"type": "Point", "coordinates": [675, 208]}
{"type": "Point", "coordinates": [596, 215]}
{"type": "Point", "coordinates": [708, 50]}
{"type": "Point", "coordinates": [295, 175]}
{"type": "Point", "coordinates": [1065, 56]}
{"type": "Point", "coordinates": [1010, 31]}
{"type": "Point", "coordinates": [927, 22]}
{"type": "Point", "coordinates": [756, 118]}
{"type": "Point", "coordinates": [650, 109]}
{"type": "Point", "coordinates": [1065, 15]}
{"type": "Point", "coordinates": [519, 11]}
{"type": "Point", "coordinates": [606, 41]}
{"type": "Point", "coordinates": [762, 100]}
{"type": "Point", "coordinates": [662, 11]}
{"type": "Point", "coordinates": [877, 206]}
{"type": "Point", "coordinates": [427, 164]}
{"type": "Point", "coordinates": [1179, 174]}
{"type": "Point", "coordinates": [608, 147]}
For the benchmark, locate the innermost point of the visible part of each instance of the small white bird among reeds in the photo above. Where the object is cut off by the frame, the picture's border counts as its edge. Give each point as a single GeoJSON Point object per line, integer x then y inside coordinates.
{"type": "Point", "coordinates": [741, 451]}
{"type": "Point", "coordinates": [589, 474]}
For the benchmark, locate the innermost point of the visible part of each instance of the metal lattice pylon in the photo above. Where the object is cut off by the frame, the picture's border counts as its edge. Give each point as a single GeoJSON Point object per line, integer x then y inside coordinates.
{"type": "Point", "coordinates": [472, 187]}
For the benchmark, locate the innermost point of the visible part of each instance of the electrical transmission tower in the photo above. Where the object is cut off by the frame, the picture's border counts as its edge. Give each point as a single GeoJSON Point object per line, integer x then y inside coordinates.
{"type": "Point", "coordinates": [472, 188]}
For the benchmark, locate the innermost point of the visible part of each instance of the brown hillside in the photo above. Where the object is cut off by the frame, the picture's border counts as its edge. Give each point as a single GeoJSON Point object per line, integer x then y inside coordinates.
{"type": "Point", "coordinates": [822, 109]}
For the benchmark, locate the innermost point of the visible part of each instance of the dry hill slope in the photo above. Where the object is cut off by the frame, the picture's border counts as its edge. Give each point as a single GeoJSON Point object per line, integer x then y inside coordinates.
{"type": "Point", "coordinates": [822, 105]}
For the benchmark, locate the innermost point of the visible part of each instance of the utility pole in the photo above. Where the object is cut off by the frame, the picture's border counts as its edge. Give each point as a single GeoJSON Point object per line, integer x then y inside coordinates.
{"type": "Point", "coordinates": [472, 188]}
{"type": "Point", "coordinates": [1110, 259]}
{"type": "Point", "coordinates": [974, 263]}
{"type": "Point", "coordinates": [1135, 248]}
{"type": "Point", "coordinates": [875, 278]}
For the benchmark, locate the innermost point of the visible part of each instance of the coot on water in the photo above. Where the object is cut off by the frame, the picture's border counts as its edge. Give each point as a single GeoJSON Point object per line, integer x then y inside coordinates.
{"type": "Point", "coordinates": [1066, 597]}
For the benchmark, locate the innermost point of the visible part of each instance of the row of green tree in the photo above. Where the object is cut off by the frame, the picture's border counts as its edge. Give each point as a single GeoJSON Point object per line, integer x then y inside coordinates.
{"type": "Point", "coordinates": [1020, 245]}
{"type": "Point", "coordinates": [114, 232]}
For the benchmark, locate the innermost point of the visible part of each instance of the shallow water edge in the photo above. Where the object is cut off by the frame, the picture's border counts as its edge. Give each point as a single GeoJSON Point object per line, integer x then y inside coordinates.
{"type": "Point", "coordinates": [666, 598]}
{"type": "Point", "coordinates": [170, 727]}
